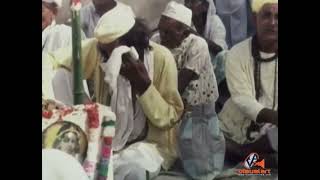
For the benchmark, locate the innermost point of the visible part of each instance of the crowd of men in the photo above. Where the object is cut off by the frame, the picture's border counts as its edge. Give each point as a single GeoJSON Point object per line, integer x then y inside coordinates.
{"type": "Point", "coordinates": [202, 89]}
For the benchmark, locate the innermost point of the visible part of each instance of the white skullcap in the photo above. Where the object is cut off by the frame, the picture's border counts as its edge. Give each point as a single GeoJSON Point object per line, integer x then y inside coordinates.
{"type": "Point", "coordinates": [57, 2]}
{"type": "Point", "coordinates": [258, 4]}
{"type": "Point", "coordinates": [178, 12]}
{"type": "Point", "coordinates": [114, 24]}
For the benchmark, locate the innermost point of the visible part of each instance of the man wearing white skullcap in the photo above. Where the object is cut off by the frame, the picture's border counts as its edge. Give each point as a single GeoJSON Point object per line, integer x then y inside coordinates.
{"type": "Point", "coordinates": [209, 26]}
{"type": "Point", "coordinates": [144, 97]}
{"type": "Point", "coordinates": [89, 17]}
{"type": "Point", "coordinates": [249, 119]}
{"type": "Point", "coordinates": [92, 12]}
{"type": "Point", "coordinates": [198, 88]}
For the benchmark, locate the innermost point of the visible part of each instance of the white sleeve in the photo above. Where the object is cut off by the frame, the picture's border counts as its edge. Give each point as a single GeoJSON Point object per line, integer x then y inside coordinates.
{"type": "Point", "coordinates": [241, 90]}
{"type": "Point", "coordinates": [197, 55]}
{"type": "Point", "coordinates": [62, 84]}
{"type": "Point", "coordinates": [219, 33]}
{"type": "Point", "coordinates": [47, 74]}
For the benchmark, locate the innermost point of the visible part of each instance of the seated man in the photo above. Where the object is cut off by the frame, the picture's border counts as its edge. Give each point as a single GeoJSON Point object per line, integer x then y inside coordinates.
{"type": "Point", "coordinates": [144, 97]}
{"type": "Point", "coordinates": [201, 143]}
{"type": "Point", "coordinates": [249, 119]}
{"type": "Point", "coordinates": [55, 36]}
{"type": "Point", "coordinates": [89, 17]}
{"type": "Point", "coordinates": [209, 26]}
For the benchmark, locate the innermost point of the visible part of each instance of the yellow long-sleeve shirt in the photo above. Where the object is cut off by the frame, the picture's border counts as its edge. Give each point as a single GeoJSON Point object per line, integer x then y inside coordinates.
{"type": "Point", "coordinates": [161, 102]}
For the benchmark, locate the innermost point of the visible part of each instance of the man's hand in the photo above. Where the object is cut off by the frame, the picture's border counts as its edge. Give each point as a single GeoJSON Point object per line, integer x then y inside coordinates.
{"type": "Point", "coordinates": [213, 47]}
{"type": "Point", "coordinates": [136, 73]}
{"type": "Point", "coordinates": [268, 116]}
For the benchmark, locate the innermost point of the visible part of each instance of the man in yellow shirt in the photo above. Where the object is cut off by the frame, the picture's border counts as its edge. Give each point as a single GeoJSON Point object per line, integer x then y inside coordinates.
{"type": "Point", "coordinates": [144, 141]}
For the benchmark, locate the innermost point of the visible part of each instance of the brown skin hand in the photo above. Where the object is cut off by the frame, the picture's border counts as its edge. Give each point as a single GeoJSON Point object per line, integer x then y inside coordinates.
{"type": "Point", "coordinates": [184, 78]}
{"type": "Point", "coordinates": [267, 32]}
{"type": "Point", "coordinates": [131, 69]}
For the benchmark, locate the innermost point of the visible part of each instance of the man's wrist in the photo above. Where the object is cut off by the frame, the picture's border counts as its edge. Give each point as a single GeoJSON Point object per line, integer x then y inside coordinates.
{"type": "Point", "coordinates": [267, 116]}
{"type": "Point", "coordinates": [143, 86]}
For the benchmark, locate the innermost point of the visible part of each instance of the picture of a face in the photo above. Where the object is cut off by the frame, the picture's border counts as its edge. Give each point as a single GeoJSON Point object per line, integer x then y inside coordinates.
{"type": "Point", "coordinates": [67, 137]}
{"type": "Point", "coordinates": [69, 143]}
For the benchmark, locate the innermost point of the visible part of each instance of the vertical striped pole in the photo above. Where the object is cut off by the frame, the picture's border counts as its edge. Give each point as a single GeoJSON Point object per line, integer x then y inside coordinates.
{"type": "Point", "coordinates": [78, 89]}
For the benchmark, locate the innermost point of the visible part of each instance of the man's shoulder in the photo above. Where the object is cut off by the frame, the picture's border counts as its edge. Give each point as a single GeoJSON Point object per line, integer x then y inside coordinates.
{"type": "Point", "coordinates": [162, 54]}
{"type": "Point", "coordinates": [197, 43]}
{"type": "Point", "coordinates": [62, 27]}
{"type": "Point", "coordinates": [159, 49]}
{"type": "Point", "coordinates": [61, 30]}
{"type": "Point", "coordinates": [241, 46]}
{"type": "Point", "coordinates": [197, 39]}
{"type": "Point", "coordinates": [240, 53]}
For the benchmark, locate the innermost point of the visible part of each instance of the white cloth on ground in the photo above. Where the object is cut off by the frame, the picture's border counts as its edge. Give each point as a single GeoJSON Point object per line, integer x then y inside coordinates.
{"type": "Point", "coordinates": [137, 156]}
{"type": "Point", "coordinates": [58, 165]}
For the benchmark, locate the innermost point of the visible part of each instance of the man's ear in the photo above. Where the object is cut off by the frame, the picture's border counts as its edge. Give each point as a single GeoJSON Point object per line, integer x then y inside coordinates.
{"type": "Point", "coordinates": [184, 31]}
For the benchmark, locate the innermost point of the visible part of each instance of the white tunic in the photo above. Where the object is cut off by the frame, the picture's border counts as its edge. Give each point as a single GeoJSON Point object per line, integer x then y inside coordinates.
{"type": "Point", "coordinates": [56, 36]}
{"type": "Point", "coordinates": [242, 107]}
{"type": "Point", "coordinates": [57, 84]}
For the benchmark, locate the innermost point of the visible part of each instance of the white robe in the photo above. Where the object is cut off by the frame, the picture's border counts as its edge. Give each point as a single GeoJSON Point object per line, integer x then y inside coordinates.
{"type": "Point", "coordinates": [214, 28]}
{"type": "Point", "coordinates": [57, 36]}
{"type": "Point", "coordinates": [243, 108]}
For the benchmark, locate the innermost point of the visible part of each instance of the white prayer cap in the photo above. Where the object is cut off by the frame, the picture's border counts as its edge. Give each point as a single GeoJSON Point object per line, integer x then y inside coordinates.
{"type": "Point", "coordinates": [258, 4]}
{"type": "Point", "coordinates": [114, 24]}
{"type": "Point", "coordinates": [57, 2]}
{"type": "Point", "coordinates": [58, 165]}
{"type": "Point", "coordinates": [178, 12]}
